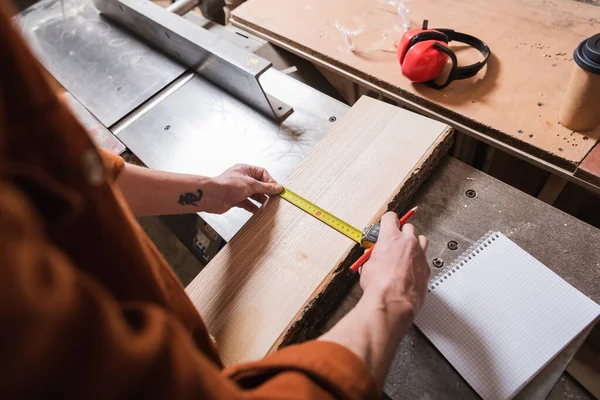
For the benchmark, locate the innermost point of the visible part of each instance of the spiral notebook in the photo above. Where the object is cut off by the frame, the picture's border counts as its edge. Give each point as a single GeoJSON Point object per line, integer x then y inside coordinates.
{"type": "Point", "coordinates": [499, 316]}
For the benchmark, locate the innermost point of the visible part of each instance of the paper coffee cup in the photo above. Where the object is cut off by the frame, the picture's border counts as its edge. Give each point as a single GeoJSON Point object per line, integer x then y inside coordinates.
{"type": "Point", "coordinates": [580, 109]}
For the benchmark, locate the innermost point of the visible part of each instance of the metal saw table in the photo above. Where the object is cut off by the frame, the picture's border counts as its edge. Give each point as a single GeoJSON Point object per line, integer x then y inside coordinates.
{"type": "Point", "coordinates": [175, 119]}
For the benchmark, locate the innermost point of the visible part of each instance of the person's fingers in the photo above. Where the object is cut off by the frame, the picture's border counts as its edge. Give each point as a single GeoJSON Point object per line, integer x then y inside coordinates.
{"type": "Point", "coordinates": [248, 206]}
{"type": "Point", "coordinates": [255, 172]}
{"type": "Point", "coordinates": [423, 242]}
{"type": "Point", "coordinates": [277, 187]}
{"type": "Point", "coordinates": [263, 181]}
{"type": "Point", "coordinates": [408, 229]}
{"type": "Point", "coordinates": [427, 273]}
{"type": "Point", "coordinates": [261, 174]}
{"type": "Point", "coordinates": [265, 176]}
{"type": "Point", "coordinates": [389, 224]}
{"type": "Point", "coordinates": [260, 198]}
{"type": "Point", "coordinates": [266, 188]}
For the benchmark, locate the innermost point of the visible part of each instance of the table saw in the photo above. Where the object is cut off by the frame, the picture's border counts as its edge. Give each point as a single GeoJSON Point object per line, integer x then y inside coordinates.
{"type": "Point", "coordinates": [187, 99]}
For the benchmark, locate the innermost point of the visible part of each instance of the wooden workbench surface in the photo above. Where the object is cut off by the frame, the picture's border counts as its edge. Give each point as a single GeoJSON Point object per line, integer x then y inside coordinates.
{"type": "Point", "coordinates": [515, 99]}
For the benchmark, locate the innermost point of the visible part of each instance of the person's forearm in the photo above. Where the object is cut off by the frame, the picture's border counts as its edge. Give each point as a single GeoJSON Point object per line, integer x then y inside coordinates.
{"type": "Point", "coordinates": [372, 331]}
{"type": "Point", "coordinates": [150, 192]}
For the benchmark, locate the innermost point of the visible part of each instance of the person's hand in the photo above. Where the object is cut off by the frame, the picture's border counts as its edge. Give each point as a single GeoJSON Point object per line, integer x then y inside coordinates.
{"type": "Point", "coordinates": [394, 281]}
{"type": "Point", "coordinates": [235, 186]}
{"type": "Point", "coordinates": [397, 272]}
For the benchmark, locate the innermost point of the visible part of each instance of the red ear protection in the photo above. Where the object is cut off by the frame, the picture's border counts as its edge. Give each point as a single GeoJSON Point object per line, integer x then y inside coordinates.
{"type": "Point", "coordinates": [420, 61]}
{"type": "Point", "coordinates": [423, 53]}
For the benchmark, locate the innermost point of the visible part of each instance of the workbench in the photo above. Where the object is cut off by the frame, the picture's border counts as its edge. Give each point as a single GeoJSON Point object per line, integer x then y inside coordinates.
{"type": "Point", "coordinates": [173, 119]}
{"type": "Point", "coordinates": [453, 221]}
{"type": "Point", "coordinates": [512, 104]}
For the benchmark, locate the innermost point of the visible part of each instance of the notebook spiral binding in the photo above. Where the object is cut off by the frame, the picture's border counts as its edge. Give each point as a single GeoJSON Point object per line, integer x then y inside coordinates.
{"type": "Point", "coordinates": [463, 259]}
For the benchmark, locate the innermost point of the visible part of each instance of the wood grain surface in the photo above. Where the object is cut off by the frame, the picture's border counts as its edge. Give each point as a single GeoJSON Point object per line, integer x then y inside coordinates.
{"type": "Point", "coordinates": [517, 96]}
{"type": "Point", "coordinates": [260, 283]}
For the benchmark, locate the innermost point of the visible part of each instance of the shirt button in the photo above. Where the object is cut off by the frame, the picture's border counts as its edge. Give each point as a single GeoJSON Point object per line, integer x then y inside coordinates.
{"type": "Point", "coordinates": [93, 168]}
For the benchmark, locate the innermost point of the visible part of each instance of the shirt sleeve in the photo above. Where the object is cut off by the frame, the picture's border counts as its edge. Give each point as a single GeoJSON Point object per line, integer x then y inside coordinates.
{"type": "Point", "coordinates": [301, 371]}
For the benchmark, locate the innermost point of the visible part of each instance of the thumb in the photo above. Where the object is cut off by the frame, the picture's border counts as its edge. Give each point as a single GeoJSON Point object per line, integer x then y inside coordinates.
{"type": "Point", "coordinates": [267, 188]}
{"type": "Point", "coordinates": [389, 224]}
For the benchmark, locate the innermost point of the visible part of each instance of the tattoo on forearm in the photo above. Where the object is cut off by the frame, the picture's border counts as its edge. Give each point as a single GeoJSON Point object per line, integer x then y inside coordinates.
{"type": "Point", "coordinates": [190, 198]}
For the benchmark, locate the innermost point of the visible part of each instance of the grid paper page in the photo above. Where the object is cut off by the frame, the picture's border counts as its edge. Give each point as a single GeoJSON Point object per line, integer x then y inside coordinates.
{"type": "Point", "coordinates": [502, 316]}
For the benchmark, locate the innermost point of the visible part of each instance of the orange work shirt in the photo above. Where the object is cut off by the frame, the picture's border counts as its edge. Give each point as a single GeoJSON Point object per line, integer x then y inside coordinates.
{"type": "Point", "coordinates": [88, 306]}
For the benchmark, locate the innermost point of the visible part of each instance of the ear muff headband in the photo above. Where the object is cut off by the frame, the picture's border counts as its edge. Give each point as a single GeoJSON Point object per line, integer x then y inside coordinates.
{"type": "Point", "coordinates": [467, 71]}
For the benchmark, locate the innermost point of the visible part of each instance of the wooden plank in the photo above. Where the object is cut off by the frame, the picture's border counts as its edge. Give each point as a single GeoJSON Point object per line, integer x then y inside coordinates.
{"type": "Point", "coordinates": [589, 169]}
{"type": "Point", "coordinates": [279, 274]}
{"type": "Point", "coordinates": [516, 100]}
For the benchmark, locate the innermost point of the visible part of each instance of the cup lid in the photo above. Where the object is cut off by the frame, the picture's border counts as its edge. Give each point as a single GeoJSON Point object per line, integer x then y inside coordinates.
{"type": "Point", "coordinates": [587, 54]}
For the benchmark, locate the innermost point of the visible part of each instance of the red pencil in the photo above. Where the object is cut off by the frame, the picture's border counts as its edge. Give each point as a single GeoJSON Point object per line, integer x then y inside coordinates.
{"type": "Point", "coordinates": [367, 254]}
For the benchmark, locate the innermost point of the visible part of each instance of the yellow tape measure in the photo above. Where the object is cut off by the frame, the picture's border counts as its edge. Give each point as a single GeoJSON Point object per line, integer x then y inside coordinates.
{"type": "Point", "coordinates": [322, 215]}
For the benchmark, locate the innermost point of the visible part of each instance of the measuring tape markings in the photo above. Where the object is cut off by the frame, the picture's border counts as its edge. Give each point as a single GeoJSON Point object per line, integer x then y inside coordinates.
{"type": "Point", "coordinates": [322, 215]}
